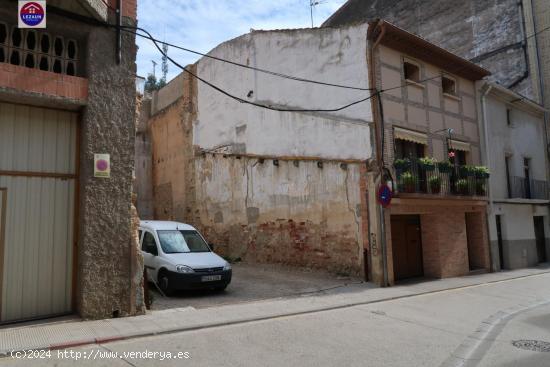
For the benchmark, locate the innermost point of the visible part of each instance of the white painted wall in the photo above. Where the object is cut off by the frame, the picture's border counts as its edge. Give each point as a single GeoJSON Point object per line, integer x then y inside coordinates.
{"type": "Point", "coordinates": [330, 55]}
{"type": "Point", "coordinates": [523, 139]}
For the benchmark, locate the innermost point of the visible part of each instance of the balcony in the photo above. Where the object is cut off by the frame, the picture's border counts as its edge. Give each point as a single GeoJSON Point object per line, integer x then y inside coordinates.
{"type": "Point", "coordinates": [523, 188]}
{"type": "Point", "coordinates": [440, 179]}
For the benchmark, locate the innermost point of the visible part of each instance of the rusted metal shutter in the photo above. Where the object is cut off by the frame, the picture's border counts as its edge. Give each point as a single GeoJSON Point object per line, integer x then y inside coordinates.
{"type": "Point", "coordinates": [38, 165]}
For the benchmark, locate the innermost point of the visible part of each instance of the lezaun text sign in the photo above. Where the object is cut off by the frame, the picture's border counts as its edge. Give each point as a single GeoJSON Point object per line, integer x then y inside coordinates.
{"type": "Point", "coordinates": [32, 14]}
{"type": "Point", "coordinates": [102, 165]}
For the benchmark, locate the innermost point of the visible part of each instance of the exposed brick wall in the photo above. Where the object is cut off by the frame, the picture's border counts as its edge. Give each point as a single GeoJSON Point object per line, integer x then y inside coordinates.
{"type": "Point", "coordinates": [37, 81]}
{"type": "Point", "coordinates": [476, 224]}
{"type": "Point", "coordinates": [445, 235]}
{"type": "Point", "coordinates": [129, 8]}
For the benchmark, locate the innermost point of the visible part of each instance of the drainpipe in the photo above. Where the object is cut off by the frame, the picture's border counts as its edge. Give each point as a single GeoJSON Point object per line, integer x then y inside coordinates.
{"type": "Point", "coordinates": [490, 209]}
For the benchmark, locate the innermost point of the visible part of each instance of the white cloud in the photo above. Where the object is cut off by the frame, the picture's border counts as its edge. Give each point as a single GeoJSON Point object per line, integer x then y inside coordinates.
{"type": "Point", "coordinates": [203, 24]}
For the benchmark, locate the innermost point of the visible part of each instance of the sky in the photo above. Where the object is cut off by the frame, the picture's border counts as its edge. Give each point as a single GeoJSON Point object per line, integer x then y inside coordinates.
{"type": "Point", "coordinates": [203, 24]}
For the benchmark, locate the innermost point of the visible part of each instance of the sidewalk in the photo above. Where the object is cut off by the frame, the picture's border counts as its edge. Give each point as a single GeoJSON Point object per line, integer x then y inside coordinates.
{"type": "Point", "coordinates": [76, 333]}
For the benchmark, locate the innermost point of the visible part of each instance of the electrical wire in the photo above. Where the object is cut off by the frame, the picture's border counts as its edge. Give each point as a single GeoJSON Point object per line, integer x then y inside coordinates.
{"type": "Point", "coordinates": [238, 99]}
{"type": "Point", "coordinates": [156, 42]}
{"type": "Point", "coordinates": [281, 75]}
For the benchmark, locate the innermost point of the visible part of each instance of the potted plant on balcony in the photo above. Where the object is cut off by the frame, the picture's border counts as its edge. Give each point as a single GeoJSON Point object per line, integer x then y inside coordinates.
{"type": "Point", "coordinates": [402, 164]}
{"type": "Point", "coordinates": [481, 189]}
{"type": "Point", "coordinates": [427, 163]}
{"type": "Point", "coordinates": [409, 182]}
{"type": "Point", "coordinates": [481, 172]}
{"type": "Point", "coordinates": [435, 184]}
{"type": "Point", "coordinates": [444, 166]}
{"type": "Point", "coordinates": [462, 186]}
{"type": "Point", "coordinates": [467, 171]}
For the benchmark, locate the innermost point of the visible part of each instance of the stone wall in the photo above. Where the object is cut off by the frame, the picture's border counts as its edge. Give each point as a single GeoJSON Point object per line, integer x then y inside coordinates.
{"type": "Point", "coordinates": [108, 255]}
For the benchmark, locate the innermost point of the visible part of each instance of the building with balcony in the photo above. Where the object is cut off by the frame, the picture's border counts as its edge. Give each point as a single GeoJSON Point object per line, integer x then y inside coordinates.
{"type": "Point", "coordinates": [68, 241]}
{"type": "Point", "coordinates": [428, 148]}
{"type": "Point", "coordinates": [515, 152]}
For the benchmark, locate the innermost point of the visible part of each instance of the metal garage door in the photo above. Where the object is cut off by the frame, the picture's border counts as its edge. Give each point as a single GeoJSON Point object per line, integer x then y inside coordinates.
{"type": "Point", "coordinates": [38, 150]}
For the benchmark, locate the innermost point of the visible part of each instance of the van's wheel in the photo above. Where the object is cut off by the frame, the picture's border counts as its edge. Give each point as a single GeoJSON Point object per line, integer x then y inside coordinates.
{"type": "Point", "coordinates": [164, 283]}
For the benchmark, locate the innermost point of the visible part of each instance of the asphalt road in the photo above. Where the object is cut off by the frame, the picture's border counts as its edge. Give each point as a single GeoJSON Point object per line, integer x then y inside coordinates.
{"type": "Point", "coordinates": [425, 330]}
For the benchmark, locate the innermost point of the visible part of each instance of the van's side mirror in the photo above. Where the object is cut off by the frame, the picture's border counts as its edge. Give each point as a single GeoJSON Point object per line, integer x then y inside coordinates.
{"type": "Point", "coordinates": [211, 246]}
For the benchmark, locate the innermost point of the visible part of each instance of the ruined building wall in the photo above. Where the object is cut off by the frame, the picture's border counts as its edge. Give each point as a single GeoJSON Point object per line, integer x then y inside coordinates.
{"type": "Point", "coordinates": [266, 186]}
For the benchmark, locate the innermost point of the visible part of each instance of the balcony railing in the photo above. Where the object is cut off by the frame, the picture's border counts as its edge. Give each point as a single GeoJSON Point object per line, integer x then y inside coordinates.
{"type": "Point", "coordinates": [442, 180]}
{"type": "Point", "coordinates": [522, 188]}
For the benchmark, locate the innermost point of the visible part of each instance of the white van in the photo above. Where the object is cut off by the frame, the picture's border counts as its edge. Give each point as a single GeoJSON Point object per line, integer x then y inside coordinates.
{"type": "Point", "coordinates": [177, 257]}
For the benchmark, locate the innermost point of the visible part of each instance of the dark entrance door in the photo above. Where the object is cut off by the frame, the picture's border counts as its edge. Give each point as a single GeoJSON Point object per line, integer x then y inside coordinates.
{"type": "Point", "coordinates": [541, 240]}
{"type": "Point", "coordinates": [500, 242]}
{"type": "Point", "coordinates": [406, 246]}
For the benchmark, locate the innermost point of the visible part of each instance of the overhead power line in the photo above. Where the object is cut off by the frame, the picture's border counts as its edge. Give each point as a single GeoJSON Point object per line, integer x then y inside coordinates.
{"type": "Point", "coordinates": [265, 71]}
{"type": "Point", "coordinates": [239, 99]}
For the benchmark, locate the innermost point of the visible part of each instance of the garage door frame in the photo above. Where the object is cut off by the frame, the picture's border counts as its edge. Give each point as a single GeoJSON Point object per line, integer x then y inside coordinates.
{"type": "Point", "coordinates": [76, 211]}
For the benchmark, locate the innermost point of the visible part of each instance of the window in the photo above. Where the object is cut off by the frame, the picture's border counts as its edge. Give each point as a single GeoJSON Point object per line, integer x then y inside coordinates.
{"type": "Point", "coordinates": [177, 242]}
{"type": "Point", "coordinates": [412, 71]}
{"type": "Point", "coordinates": [508, 117]}
{"type": "Point", "coordinates": [408, 149]}
{"type": "Point", "coordinates": [149, 244]}
{"type": "Point", "coordinates": [449, 85]}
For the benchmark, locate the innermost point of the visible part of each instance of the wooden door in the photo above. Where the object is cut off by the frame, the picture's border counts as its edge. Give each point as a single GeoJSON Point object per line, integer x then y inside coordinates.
{"type": "Point", "coordinates": [406, 246]}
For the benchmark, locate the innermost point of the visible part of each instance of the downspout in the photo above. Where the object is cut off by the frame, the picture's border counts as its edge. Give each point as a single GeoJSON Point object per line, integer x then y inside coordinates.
{"type": "Point", "coordinates": [490, 208]}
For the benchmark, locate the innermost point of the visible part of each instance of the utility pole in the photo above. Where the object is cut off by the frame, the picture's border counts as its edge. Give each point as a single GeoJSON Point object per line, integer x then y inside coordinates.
{"type": "Point", "coordinates": [312, 4]}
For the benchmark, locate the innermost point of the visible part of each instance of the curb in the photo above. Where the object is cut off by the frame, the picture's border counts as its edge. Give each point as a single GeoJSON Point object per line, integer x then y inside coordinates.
{"type": "Point", "coordinates": [105, 340]}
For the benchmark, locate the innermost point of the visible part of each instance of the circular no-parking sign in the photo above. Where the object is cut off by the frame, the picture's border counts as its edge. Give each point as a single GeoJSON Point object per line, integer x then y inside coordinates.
{"type": "Point", "coordinates": [384, 195]}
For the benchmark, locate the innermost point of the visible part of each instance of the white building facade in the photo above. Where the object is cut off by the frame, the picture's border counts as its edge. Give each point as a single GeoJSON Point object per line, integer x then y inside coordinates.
{"type": "Point", "coordinates": [516, 153]}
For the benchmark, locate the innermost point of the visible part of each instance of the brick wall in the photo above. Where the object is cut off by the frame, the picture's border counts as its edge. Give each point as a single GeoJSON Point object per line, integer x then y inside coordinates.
{"type": "Point", "coordinates": [129, 8]}
{"type": "Point", "coordinates": [37, 81]}
{"type": "Point", "coordinates": [445, 235]}
{"type": "Point", "coordinates": [476, 224]}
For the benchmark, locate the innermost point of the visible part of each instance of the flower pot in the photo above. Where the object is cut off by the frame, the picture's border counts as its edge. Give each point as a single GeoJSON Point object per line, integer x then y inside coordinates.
{"type": "Point", "coordinates": [435, 189]}
{"type": "Point", "coordinates": [409, 188]}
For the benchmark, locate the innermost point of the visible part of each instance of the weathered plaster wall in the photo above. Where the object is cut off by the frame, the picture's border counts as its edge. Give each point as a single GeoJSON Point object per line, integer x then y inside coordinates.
{"type": "Point", "coordinates": [171, 134]}
{"type": "Point", "coordinates": [207, 149]}
{"type": "Point", "coordinates": [295, 213]}
{"type": "Point", "coordinates": [329, 55]}
{"type": "Point", "coordinates": [472, 29]}
{"type": "Point", "coordinates": [143, 184]}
